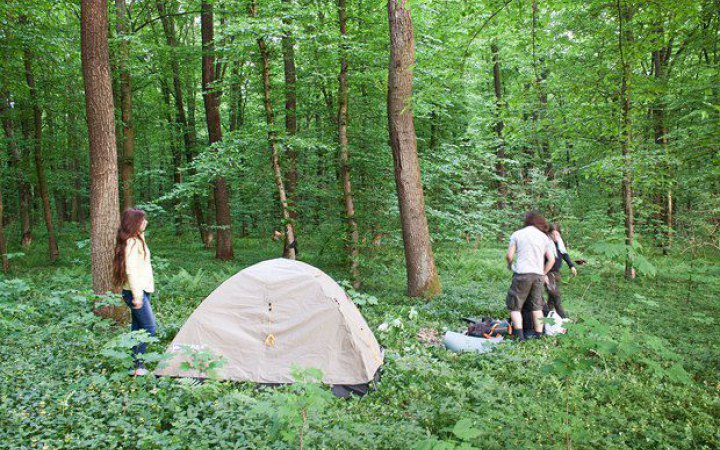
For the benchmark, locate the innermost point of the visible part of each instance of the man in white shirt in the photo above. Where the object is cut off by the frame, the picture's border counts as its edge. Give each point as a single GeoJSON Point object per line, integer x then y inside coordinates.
{"type": "Point", "coordinates": [535, 254]}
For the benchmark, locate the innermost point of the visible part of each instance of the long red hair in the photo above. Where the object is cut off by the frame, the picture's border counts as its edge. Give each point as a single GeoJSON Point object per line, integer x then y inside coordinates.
{"type": "Point", "coordinates": [130, 227]}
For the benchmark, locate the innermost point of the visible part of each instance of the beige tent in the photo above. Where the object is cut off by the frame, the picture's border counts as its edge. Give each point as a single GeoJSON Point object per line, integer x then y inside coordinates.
{"type": "Point", "coordinates": [272, 317]}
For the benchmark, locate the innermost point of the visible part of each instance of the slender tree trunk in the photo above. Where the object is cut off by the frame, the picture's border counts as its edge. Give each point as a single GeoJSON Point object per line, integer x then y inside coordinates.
{"type": "Point", "coordinates": [660, 60]}
{"type": "Point", "coordinates": [499, 126]}
{"type": "Point", "coordinates": [188, 127]}
{"type": "Point", "coordinates": [290, 240]}
{"type": "Point", "coordinates": [122, 27]}
{"type": "Point", "coordinates": [422, 276]}
{"type": "Point", "coordinates": [290, 248]}
{"type": "Point", "coordinates": [540, 116]}
{"type": "Point", "coordinates": [37, 138]}
{"type": "Point", "coordinates": [177, 156]}
{"type": "Point", "coordinates": [288, 50]}
{"type": "Point", "coordinates": [7, 126]}
{"type": "Point", "coordinates": [624, 37]}
{"type": "Point", "coordinates": [352, 227]}
{"type": "Point", "coordinates": [16, 162]}
{"type": "Point", "coordinates": [3, 242]}
{"type": "Point", "coordinates": [104, 198]}
{"type": "Point", "coordinates": [211, 99]}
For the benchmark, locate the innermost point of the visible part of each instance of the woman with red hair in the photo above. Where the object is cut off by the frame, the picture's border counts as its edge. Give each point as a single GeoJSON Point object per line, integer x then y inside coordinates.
{"type": "Point", "coordinates": [132, 270]}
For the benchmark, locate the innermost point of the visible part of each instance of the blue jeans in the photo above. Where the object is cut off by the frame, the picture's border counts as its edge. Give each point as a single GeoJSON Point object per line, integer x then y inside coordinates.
{"type": "Point", "coordinates": [142, 319]}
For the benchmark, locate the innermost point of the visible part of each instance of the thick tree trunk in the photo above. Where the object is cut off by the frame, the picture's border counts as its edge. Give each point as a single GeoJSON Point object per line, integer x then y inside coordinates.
{"type": "Point", "coordinates": [37, 138]}
{"type": "Point", "coordinates": [186, 126]}
{"type": "Point", "coordinates": [288, 50]}
{"type": "Point", "coordinates": [104, 201]}
{"type": "Point", "coordinates": [422, 276]}
{"type": "Point", "coordinates": [625, 36]}
{"type": "Point", "coordinates": [352, 227]}
{"type": "Point", "coordinates": [122, 27]}
{"type": "Point", "coordinates": [289, 250]}
{"type": "Point", "coordinates": [499, 126]}
{"type": "Point", "coordinates": [211, 99]}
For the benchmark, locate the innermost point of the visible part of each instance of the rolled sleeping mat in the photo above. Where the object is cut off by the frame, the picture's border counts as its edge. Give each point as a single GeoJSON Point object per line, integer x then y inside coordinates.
{"type": "Point", "coordinates": [458, 342]}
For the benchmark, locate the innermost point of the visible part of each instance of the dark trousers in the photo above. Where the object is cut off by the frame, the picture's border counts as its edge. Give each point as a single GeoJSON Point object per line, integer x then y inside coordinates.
{"type": "Point", "coordinates": [554, 298]}
{"type": "Point", "coordinates": [142, 319]}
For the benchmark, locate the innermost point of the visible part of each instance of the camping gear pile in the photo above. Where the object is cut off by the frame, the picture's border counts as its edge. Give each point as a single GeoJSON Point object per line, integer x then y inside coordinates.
{"type": "Point", "coordinates": [483, 334]}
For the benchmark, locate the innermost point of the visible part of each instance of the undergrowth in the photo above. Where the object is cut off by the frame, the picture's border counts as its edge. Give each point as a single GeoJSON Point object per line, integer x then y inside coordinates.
{"type": "Point", "coordinates": [638, 368]}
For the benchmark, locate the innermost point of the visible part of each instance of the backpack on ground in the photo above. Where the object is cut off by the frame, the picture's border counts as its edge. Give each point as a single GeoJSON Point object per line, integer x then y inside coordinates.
{"type": "Point", "coordinates": [489, 328]}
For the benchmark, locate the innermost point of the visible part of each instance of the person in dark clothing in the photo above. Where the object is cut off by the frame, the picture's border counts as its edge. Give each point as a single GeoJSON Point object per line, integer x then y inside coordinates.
{"type": "Point", "coordinates": [553, 282]}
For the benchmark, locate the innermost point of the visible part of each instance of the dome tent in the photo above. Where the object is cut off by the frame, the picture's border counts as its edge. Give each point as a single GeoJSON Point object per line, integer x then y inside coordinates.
{"type": "Point", "coordinates": [272, 317]}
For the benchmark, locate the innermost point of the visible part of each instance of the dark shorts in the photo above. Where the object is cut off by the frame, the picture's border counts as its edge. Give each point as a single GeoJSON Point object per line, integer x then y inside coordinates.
{"type": "Point", "coordinates": [526, 287]}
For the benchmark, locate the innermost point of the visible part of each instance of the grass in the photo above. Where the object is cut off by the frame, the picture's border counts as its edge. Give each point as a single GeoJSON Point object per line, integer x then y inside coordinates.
{"type": "Point", "coordinates": [639, 370]}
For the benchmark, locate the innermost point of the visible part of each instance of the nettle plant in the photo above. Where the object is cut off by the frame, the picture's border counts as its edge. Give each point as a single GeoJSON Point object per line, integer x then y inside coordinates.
{"type": "Point", "coordinates": [615, 250]}
{"type": "Point", "coordinates": [292, 408]}
{"type": "Point", "coordinates": [119, 352]}
{"type": "Point", "coordinates": [359, 298]}
{"type": "Point", "coordinates": [203, 361]}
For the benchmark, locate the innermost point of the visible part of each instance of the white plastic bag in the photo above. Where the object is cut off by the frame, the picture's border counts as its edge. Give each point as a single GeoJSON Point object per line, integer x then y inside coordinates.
{"type": "Point", "coordinates": [557, 324]}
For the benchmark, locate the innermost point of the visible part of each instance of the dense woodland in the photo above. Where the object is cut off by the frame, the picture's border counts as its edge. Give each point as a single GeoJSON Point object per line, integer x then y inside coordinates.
{"type": "Point", "coordinates": [351, 133]}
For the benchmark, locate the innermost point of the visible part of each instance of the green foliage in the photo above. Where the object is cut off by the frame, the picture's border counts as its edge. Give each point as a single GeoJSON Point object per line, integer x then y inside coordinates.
{"type": "Point", "coordinates": [619, 252]}
{"type": "Point", "coordinates": [359, 298]}
{"type": "Point", "coordinates": [202, 361]}
{"type": "Point", "coordinates": [64, 375]}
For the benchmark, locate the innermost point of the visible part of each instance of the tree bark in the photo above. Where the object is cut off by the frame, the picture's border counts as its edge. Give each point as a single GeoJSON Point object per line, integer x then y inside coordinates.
{"type": "Point", "coordinates": [499, 126]}
{"type": "Point", "coordinates": [40, 170]}
{"type": "Point", "coordinates": [122, 27]}
{"type": "Point", "coordinates": [104, 199]}
{"type": "Point", "coordinates": [352, 227]}
{"type": "Point", "coordinates": [625, 36]}
{"type": "Point", "coordinates": [422, 276]}
{"type": "Point", "coordinates": [211, 99]}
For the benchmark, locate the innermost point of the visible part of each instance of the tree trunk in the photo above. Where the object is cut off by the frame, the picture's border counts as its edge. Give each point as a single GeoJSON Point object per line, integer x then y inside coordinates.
{"type": "Point", "coordinates": [539, 117]}
{"type": "Point", "coordinates": [660, 60]}
{"type": "Point", "coordinates": [187, 127]}
{"type": "Point", "coordinates": [122, 27]}
{"type": "Point", "coordinates": [16, 162]}
{"type": "Point", "coordinates": [290, 240]}
{"type": "Point", "coordinates": [175, 151]}
{"type": "Point", "coordinates": [211, 99]}
{"type": "Point", "coordinates": [499, 126]}
{"type": "Point", "coordinates": [3, 244]}
{"type": "Point", "coordinates": [37, 138]}
{"type": "Point", "coordinates": [422, 276]}
{"type": "Point", "coordinates": [288, 50]}
{"type": "Point", "coordinates": [104, 200]}
{"type": "Point", "coordinates": [624, 37]}
{"type": "Point", "coordinates": [352, 227]}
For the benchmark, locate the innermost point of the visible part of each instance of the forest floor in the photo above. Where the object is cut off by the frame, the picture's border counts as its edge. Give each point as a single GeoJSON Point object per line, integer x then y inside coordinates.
{"type": "Point", "coordinates": [639, 369]}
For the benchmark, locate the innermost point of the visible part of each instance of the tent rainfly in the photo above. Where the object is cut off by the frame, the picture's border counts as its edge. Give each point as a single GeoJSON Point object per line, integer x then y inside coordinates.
{"type": "Point", "coordinates": [272, 317]}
